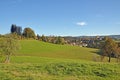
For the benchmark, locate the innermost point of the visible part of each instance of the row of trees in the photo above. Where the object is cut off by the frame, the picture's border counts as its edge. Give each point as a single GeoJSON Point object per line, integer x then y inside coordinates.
{"type": "Point", "coordinates": [16, 29]}
{"type": "Point", "coordinates": [52, 39]}
{"type": "Point", "coordinates": [110, 49]}
{"type": "Point", "coordinates": [27, 32]}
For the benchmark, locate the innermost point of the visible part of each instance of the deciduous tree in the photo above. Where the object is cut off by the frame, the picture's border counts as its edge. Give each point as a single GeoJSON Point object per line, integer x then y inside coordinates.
{"type": "Point", "coordinates": [108, 48]}
{"type": "Point", "coordinates": [8, 46]}
{"type": "Point", "coordinates": [60, 40]}
{"type": "Point", "coordinates": [28, 33]}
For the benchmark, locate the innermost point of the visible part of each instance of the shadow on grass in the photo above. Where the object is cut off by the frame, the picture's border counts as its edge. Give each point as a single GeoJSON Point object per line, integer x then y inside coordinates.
{"type": "Point", "coordinates": [96, 52]}
{"type": "Point", "coordinates": [97, 58]}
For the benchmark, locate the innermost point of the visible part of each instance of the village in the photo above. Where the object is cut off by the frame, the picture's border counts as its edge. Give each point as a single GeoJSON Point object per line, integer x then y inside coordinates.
{"type": "Point", "coordinates": [91, 42]}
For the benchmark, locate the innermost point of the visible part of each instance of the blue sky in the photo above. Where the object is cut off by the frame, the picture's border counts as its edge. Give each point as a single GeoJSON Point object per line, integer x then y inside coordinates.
{"type": "Point", "coordinates": [62, 17]}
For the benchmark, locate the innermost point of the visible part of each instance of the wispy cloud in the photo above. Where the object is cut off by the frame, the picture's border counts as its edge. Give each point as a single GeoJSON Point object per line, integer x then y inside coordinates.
{"type": "Point", "coordinates": [81, 23]}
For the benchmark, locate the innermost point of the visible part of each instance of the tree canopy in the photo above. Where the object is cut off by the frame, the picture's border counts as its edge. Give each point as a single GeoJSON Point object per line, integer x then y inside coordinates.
{"type": "Point", "coordinates": [8, 46]}
{"type": "Point", "coordinates": [28, 33]}
{"type": "Point", "coordinates": [108, 48]}
{"type": "Point", "coordinates": [16, 29]}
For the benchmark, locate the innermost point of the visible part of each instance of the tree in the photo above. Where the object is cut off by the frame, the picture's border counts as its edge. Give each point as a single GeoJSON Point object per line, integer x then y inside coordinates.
{"type": "Point", "coordinates": [60, 40]}
{"type": "Point", "coordinates": [28, 33]}
{"type": "Point", "coordinates": [16, 29]}
{"type": "Point", "coordinates": [117, 55]}
{"type": "Point", "coordinates": [108, 48]}
{"type": "Point", "coordinates": [19, 30]}
{"type": "Point", "coordinates": [8, 46]}
{"type": "Point", "coordinates": [44, 38]}
{"type": "Point", "coordinates": [38, 36]}
{"type": "Point", "coordinates": [13, 28]}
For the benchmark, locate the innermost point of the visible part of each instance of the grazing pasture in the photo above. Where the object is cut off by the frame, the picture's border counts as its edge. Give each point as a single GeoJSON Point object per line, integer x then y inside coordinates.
{"type": "Point", "coordinates": [38, 60]}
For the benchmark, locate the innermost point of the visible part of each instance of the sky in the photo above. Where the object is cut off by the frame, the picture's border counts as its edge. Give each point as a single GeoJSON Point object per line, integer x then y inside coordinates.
{"type": "Point", "coordinates": [62, 17]}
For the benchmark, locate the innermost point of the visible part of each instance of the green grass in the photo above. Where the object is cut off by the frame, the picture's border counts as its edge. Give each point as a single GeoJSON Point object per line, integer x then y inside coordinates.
{"type": "Point", "coordinates": [45, 61]}
{"type": "Point", "coordinates": [42, 49]}
{"type": "Point", "coordinates": [39, 68]}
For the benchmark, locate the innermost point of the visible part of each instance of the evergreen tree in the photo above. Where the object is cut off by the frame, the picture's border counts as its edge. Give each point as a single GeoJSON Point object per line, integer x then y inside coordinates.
{"type": "Point", "coordinates": [13, 28]}
{"type": "Point", "coordinates": [16, 29]}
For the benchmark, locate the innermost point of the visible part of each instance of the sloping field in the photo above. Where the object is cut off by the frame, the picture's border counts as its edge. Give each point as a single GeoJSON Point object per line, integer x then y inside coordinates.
{"type": "Point", "coordinates": [44, 61]}
{"type": "Point", "coordinates": [42, 49]}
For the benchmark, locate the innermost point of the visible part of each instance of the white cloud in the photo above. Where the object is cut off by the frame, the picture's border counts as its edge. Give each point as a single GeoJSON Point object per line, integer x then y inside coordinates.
{"type": "Point", "coordinates": [81, 23]}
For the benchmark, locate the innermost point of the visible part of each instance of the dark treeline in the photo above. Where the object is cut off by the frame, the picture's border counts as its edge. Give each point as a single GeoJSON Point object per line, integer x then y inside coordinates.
{"type": "Point", "coordinates": [16, 29]}
{"type": "Point", "coordinates": [26, 33]}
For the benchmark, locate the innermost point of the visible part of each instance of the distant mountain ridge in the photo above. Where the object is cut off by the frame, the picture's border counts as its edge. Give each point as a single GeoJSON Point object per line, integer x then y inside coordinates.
{"type": "Point", "coordinates": [115, 36]}
{"type": "Point", "coordinates": [76, 37]}
{"type": "Point", "coordinates": [112, 36]}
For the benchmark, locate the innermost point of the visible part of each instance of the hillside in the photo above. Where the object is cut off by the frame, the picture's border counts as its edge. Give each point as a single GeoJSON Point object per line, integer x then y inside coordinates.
{"type": "Point", "coordinates": [45, 61]}
{"type": "Point", "coordinates": [42, 49]}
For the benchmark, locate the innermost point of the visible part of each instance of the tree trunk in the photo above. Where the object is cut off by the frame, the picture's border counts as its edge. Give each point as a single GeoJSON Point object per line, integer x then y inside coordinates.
{"type": "Point", "coordinates": [7, 60]}
{"type": "Point", "coordinates": [118, 58]}
{"type": "Point", "coordinates": [109, 58]}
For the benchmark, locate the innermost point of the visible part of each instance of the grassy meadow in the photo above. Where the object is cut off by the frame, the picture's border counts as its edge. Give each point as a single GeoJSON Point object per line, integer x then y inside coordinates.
{"type": "Point", "coordinates": [42, 49]}
{"type": "Point", "coordinates": [38, 60]}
